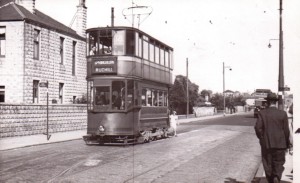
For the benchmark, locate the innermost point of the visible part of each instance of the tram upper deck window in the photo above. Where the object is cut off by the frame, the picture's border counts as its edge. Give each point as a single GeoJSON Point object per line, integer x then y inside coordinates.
{"type": "Point", "coordinates": [119, 42]}
{"type": "Point", "coordinates": [162, 57]}
{"type": "Point", "coordinates": [145, 50]}
{"type": "Point", "coordinates": [167, 61]}
{"type": "Point", "coordinates": [130, 42]}
{"type": "Point", "coordinates": [151, 52]}
{"type": "Point", "coordinates": [157, 54]}
{"type": "Point", "coordinates": [139, 43]}
{"type": "Point", "coordinates": [100, 42]}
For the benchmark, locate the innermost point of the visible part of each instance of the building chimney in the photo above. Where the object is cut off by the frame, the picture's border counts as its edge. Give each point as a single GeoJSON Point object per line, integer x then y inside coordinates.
{"type": "Point", "coordinates": [112, 17]}
{"type": "Point", "coordinates": [28, 4]}
{"type": "Point", "coordinates": [81, 18]}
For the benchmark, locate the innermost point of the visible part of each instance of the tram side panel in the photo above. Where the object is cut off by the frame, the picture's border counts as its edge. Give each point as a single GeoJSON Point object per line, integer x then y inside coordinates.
{"type": "Point", "coordinates": [154, 117]}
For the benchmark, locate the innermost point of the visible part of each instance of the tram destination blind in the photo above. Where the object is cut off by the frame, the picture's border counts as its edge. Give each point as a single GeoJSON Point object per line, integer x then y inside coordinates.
{"type": "Point", "coordinates": [105, 67]}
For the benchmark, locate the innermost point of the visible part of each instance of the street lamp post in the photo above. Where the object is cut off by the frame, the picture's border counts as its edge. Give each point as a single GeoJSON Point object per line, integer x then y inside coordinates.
{"type": "Point", "coordinates": [224, 67]}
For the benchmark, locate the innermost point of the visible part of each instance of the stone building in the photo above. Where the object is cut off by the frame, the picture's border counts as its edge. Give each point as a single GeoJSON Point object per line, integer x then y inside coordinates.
{"type": "Point", "coordinates": [36, 49]}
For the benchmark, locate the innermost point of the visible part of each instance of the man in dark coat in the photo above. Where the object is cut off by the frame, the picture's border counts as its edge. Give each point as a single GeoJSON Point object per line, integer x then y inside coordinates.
{"type": "Point", "coordinates": [272, 130]}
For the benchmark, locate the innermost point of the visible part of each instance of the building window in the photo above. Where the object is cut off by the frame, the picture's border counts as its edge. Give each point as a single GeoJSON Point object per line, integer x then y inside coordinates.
{"type": "Point", "coordinates": [2, 41]}
{"type": "Point", "coordinates": [73, 58]}
{"type": "Point", "coordinates": [61, 92]}
{"type": "Point", "coordinates": [74, 99]}
{"type": "Point", "coordinates": [35, 92]}
{"type": "Point", "coordinates": [61, 51]}
{"type": "Point", "coordinates": [36, 43]}
{"type": "Point", "coordinates": [2, 93]}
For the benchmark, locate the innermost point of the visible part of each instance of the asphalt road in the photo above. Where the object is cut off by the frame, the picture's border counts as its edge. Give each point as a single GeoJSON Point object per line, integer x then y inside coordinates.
{"type": "Point", "coordinates": [216, 150]}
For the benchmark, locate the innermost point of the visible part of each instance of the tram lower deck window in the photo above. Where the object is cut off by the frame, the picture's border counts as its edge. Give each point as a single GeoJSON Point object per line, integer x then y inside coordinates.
{"type": "Point", "coordinates": [102, 96]}
{"type": "Point", "coordinates": [153, 97]}
{"type": "Point", "coordinates": [118, 95]}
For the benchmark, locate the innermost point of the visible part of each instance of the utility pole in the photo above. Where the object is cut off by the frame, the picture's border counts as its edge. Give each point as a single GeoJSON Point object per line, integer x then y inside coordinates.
{"type": "Point", "coordinates": [224, 109]}
{"type": "Point", "coordinates": [281, 74]}
{"type": "Point", "coordinates": [224, 67]}
{"type": "Point", "coordinates": [187, 87]}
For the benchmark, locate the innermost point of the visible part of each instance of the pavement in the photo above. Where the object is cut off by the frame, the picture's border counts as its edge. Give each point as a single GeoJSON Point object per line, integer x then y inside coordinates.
{"type": "Point", "coordinates": [33, 140]}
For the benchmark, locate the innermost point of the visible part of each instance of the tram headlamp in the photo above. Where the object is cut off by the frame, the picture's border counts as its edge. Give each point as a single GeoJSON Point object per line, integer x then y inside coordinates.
{"type": "Point", "coordinates": [101, 128]}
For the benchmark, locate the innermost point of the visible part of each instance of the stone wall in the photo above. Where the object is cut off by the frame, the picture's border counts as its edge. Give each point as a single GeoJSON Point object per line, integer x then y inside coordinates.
{"type": "Point", "coordinates": [21, 120]}
{"type": "Point", "coordinates": [204, 111]}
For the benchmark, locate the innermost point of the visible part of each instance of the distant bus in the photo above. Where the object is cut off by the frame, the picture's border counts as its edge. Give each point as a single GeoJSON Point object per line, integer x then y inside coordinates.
{"type": "Point", "coordinates": [261, 93]}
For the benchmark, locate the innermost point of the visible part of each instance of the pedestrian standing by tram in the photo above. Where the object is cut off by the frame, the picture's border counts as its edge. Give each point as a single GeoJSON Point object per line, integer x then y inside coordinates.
{"type": "Point", "coordinates": [272, 130]}
{"type": "Point", "coordinates": [174, 122]}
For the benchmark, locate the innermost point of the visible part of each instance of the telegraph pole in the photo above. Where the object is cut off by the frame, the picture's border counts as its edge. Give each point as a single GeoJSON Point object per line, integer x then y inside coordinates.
{"type": "Point", "coordinates": [187, 87]}
{"type": "Point", "coordinates": [224, 109]}
{"type": "Point", "coordinates": [281, 74]}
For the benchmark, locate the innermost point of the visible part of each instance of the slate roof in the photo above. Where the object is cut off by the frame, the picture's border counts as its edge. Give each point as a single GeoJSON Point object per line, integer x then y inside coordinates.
{"type": "Point", "coordinates": [4, 2]}
{"type": "Point", "coordinates": [14, 12]}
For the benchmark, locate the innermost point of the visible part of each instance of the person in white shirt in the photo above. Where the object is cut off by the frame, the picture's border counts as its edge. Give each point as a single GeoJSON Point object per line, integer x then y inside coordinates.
{"type": "Point", "coordinates": [174, 122]}
{"type": "Point", "coordinates": [93, 50]}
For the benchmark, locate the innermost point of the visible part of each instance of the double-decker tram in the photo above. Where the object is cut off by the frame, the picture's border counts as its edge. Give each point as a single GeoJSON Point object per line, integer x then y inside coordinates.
{"type": "Point", "coordinates": [129, 74]}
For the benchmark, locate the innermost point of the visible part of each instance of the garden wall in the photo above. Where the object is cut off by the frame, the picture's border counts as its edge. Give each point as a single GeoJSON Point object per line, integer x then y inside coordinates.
{"type": "Point", "coordinates": [21, 120]}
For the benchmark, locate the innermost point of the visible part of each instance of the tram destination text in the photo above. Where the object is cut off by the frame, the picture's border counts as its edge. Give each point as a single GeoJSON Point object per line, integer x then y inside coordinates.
{"type": "Point", "coordinates": [110, 62]}
{"type": "Point", "coordinates": [107, 69]}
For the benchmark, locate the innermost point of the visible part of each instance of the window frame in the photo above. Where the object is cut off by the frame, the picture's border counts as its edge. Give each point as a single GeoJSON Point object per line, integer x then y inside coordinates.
{"type": "Point", "coordinates": [35, 92]}
{"type": "Point", "coordinates": [3, 41]}
{"type": "Point", "coordinates": [36, 44]}
{"type": "Point", "coordinates": [74, 46]}
{"type": "Point", "coordinates": [2, 93]}
{"type": "Point", "coordinates": [61, 93]}
{"type": "Point", "coordinates": [61, 50]}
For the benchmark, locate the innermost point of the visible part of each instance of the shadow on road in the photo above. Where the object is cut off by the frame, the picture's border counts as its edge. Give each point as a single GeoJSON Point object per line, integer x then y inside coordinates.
{"type": "Point", "coordinates": [264, 180]}
{"type": "Point", "coordinates": [250, 117]}
{"type": "Point", "coordinates": [232, 180]}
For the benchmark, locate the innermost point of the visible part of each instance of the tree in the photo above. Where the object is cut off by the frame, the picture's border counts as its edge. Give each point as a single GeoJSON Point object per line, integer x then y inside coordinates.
{"type": "Point", "coordinates": [178, 98]}
{"type": "Point", "coordinates": [217, 100]}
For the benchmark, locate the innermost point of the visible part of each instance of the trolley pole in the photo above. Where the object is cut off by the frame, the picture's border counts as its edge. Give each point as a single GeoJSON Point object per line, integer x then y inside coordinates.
{"type": "Point", "coordinates": [187, 87]}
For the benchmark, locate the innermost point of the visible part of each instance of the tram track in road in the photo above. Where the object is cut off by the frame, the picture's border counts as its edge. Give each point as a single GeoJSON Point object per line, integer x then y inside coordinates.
{"type": "Point", "coordinates": [113, 158]}
{"type": "Point", "coordinates": [153, 160]}
{"type": "Point", "coordinates": [86, 165]}
{"type": "Point", "coordinates": [19, 162]}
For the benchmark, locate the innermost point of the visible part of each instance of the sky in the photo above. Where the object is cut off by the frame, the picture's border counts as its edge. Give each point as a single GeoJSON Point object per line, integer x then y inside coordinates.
{"type": "Point", "coordinates": [208, 33]}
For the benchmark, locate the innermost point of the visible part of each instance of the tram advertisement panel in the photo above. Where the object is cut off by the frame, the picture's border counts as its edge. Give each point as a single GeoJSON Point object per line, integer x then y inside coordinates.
{"type": "Point", "coordinates": [104, 65]}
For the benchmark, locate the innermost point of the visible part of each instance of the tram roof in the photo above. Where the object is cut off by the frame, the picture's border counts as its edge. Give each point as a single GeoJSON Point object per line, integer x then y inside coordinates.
{"type": "Point", "coordinates": [127, 28]}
